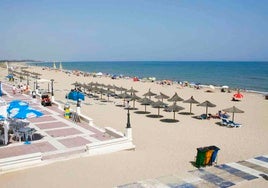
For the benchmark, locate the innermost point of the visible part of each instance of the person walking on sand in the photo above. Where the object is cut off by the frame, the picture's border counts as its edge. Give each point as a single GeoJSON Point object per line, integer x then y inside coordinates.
{"type": "Point", "coordinates": [14, 89]}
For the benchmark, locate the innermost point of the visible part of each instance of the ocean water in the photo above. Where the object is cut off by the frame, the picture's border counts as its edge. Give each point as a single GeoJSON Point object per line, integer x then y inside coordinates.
{"type": "Point", "coordinates": [243, 75]}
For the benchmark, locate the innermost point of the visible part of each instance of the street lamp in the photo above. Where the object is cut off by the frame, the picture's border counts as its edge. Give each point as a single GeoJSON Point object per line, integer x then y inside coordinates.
{"type": "Point", "coordinates": [128, 116]}
{"type": "Point", "coordinates": [52, 90]}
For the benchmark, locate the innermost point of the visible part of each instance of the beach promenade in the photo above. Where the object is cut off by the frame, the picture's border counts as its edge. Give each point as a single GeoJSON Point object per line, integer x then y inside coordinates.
{"type": "Point", "coordinates": [56, 138]}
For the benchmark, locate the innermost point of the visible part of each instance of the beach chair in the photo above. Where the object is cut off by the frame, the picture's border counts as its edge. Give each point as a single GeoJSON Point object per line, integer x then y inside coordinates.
{"type": "Point", "coordinates": [2, 137]}
{"type": "Point", "coordinates": [224, 122]}
{"type": "Point", "coordinates": [233, 124]}
{"type": "Point", "coordinates": [31, 133]}
{"type": "Point", "coordinates": [203, 116]}
{"type": "Point", "coordinates": [18, 135]}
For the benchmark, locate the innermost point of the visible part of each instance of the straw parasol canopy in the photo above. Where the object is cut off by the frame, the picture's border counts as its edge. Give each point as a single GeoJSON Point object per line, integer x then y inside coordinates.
{"type": "Point", "coordinates": [76, 84]}
{"type": "Point", "coordinates": [174, 108]}
{"type": "Point", "coordinates": [134, 97]}
{"type": "Point", "coordinates": [191, 101]}
{"type": "Point", "coordinates": [161, 96]}
{"type": "Point", "coordinates": [132, 90]}
{"type": "Point", "coordinates": [145, 101]}
{"type": "Point", "coordinates": [121, 89]}
{"type": "Point", "coordinates": [159, 104]}
{"type": "Point", "coordinates": [233, 110]}
{"type": "Point", "coordinates": [175, 98]}
{"type": "Point", "coordinates": [124, 96]}
{"type": "Point", "coordinates": [149, 94]}
{"type": "Point", "coordinates": [207, 104]}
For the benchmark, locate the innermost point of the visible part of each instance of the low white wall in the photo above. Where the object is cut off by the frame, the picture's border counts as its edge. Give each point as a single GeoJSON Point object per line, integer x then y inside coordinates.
{"type": "Point", "coordinates": [20, 161]}
{"type": "Point", "coordinates": [109, 146]}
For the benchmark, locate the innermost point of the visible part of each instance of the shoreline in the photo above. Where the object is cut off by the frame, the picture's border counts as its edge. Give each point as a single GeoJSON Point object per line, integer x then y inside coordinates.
{"type": "Point", "coordinates": [156, 81]}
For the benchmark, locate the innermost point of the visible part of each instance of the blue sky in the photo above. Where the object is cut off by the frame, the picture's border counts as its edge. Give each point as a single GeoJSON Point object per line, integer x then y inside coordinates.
{"type": "Point", "coordinates": [69, 30]}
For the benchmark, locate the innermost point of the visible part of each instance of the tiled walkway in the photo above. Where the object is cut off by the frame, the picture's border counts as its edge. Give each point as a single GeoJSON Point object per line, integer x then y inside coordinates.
{"type": "Point", "coordinates": [55, 136]}
{"type": "Point", "coordinates": [224, 175]}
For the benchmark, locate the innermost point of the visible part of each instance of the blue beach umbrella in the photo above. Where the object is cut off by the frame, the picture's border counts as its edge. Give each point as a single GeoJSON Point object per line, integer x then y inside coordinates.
{"type": "Point", "coordinates": [27, 113]}
{"type": "Point", "coordinates": [2, 118]}
{"type": "Point", "coordinates": [75, 95]}
{"type": "Point", "coordinates": [16, 105]}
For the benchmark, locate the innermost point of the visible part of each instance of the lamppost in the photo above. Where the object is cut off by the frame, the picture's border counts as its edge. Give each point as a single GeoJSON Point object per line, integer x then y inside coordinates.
{"type": "Point", "coordinates": [128, 116]}
{"type": "Point", "coordinates": [78, 106]}
{"type": "Point", "coordinates": [52, 90]}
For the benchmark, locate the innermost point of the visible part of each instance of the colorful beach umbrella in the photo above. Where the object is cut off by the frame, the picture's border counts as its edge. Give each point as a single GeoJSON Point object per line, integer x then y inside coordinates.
{"type": "Point", "coordinates": [16, 105]}
{"type": "Point", "coordinates": [238, 96]}
{"type": "Point", "coordinates": [27, 113]}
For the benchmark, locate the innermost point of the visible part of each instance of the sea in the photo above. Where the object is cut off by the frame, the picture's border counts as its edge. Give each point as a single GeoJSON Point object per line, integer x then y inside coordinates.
{"type": "Point", "coordinates": [251, 76]}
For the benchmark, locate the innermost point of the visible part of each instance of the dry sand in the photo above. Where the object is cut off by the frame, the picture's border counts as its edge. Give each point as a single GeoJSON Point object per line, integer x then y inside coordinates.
{"type": "Point", "coordinates": [161, 148]}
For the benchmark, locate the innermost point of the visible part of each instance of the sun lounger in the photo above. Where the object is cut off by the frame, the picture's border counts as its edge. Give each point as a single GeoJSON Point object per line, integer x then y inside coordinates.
{"type": "Point", "coordinates": [233, 124]}
{"type": "Point", "coordinates": [224, 122]}
{"type": "Point", "coordinates": [203, 116]}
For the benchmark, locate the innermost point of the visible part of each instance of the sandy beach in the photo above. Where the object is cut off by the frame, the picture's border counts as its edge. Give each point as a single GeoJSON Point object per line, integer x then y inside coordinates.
{"type": "Point", "coordinates": [161, 148]}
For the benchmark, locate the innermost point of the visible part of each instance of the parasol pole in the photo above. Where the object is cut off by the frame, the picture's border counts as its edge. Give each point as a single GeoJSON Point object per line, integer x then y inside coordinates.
{"type": "Point", "coordinates": [190, 107]}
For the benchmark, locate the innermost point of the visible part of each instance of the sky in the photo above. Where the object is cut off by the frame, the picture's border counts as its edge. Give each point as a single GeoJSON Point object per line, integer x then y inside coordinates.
{"type": "Point", "coordinates": [134, 30]}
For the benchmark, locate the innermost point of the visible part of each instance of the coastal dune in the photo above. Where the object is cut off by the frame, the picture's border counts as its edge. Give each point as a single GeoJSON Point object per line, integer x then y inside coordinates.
{"type": "Point", "coordinates": [161, 148]}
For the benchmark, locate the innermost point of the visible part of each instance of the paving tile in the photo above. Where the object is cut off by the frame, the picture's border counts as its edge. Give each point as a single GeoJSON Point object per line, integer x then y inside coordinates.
{"type": "Point", "coordinates": [218, 181]}
{"type": "Point", "coordinates": [74, 142]}
{"type": "Point", "coordinates": [254, 166]}
{"type": "Point", "coordinates": [171, 181]}
{"type": "Point", "coordinates": [261, 158]}
{"type": "Point", "coordinates": [131, 185]}
{"type": "Point", "coordinates": [63, 132]}
{"type": "Point", "coordinates": [51, 125]}
{"type": "Point", "coordinates": [225, 175]}
{"type": "Point", "coordinates": [153, 183]}
{"type": "Point", "coordinates": [26, 149]}
{"type": "Point", "coordinates": [236, 172]}
{"type": "Point", "coordinates": [42, 119]}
